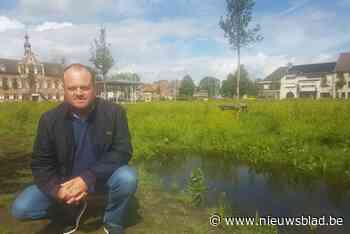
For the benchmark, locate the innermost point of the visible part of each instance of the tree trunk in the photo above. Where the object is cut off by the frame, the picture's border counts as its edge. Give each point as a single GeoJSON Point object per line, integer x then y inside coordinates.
{"type": "Point", "coordinates": [104, 87]}
{"type": "Point", "coordinates": [238, 70]}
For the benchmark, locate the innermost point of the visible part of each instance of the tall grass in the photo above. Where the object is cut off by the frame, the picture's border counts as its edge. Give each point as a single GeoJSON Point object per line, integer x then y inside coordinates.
{"type": "Point", "coordinates": [18, 122]}
{"type": "Point", "coordinates": [311, 137]}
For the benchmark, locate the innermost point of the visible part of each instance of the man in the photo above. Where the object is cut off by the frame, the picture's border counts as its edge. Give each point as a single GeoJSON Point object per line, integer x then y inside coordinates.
{"type": "Point", "coordinates": [82, 147]}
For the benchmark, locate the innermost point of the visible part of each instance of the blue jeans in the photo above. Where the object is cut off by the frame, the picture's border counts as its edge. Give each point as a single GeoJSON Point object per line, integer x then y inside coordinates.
{"type": "Point", "coordinates": [33, 204]}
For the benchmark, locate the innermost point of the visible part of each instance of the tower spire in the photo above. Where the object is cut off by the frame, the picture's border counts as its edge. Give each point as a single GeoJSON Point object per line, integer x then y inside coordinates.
{"type": "Point", "coordinates": [27, 46]}
{"type": "Point", "coordinates": [29, 56]}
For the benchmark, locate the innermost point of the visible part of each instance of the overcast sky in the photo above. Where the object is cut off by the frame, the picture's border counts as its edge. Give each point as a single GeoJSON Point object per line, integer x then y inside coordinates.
{"type": "Point", "coordinates": [166, 39]}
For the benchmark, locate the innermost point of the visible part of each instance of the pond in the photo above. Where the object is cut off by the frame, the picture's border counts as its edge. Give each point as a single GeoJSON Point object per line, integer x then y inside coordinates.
{"type": "Point", "coordinates": [270, 193]}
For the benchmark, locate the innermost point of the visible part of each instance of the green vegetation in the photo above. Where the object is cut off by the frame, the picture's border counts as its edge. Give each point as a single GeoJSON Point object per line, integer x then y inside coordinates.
{"type": "Point", "coordinates": [196, 187]}
{"type": "Point", "coordinates": [211, 84]}
{"type": "Point", "coordinates": [246, 85]}
{"type": "Point", "coordinates": [310, 137]}
{"type": "Point", "coordinates": [187, 87]}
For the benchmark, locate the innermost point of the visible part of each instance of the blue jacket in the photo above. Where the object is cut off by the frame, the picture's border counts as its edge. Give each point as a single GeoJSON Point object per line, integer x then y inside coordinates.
{"type": "Point", "coordinates": [53, 149]}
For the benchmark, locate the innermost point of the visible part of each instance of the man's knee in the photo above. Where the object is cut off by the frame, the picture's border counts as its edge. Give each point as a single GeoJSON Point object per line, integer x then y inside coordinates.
{"type": "Point", "coordinates": [124, 179]}
{"type": "Point", "coordinates": [19, 209]}
{"type": "Point", "coordinates": [30, 204]}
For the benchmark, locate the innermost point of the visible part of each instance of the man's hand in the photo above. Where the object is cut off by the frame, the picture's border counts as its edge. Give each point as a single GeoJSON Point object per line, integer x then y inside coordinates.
{"type": "Point", "coordinates": [72, 191]}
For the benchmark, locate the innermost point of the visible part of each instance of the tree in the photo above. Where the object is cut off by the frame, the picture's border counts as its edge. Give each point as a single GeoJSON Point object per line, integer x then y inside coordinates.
{"type": "Point", "coordinates": [340, 83]}
{"type": "Point", "coordinates": [187, 87]}
{"type": "Point", "coordinates": [235, 25]}
{"type": "Point", "coordinates": [211, 84]}
{"type": "Point", "coordinates": [246, 85]}
{"type": "Point", "coordinates": [101, 57]}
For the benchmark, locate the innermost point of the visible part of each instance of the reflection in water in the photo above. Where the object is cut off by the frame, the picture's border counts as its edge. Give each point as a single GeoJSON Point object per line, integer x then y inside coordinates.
{"type": "Point", "coordinates": [267, 192]}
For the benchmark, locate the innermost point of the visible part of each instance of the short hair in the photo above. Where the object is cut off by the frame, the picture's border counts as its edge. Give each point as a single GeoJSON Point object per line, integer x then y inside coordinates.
{"type": "Point", "coordinates": [79, 67]}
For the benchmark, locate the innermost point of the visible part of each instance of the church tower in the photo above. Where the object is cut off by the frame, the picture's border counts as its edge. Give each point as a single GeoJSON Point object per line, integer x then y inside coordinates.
{"type": "Point", "coordinates": [30, 69]}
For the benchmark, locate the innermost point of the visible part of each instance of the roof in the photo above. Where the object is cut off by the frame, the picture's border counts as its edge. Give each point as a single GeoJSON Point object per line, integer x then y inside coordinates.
{"type": "Point", "coordinates": [277, 74]}
{"type": "Point", "coordinates": [53, 69]}
{"type": "Point", "coordinates": [312, 68]}
{"type": "Point", "coordinates": [343, 63]}
{"type": "Point", "coordinates": [149, 88]}
{"type": "Point", "coordinates": [10, 67]}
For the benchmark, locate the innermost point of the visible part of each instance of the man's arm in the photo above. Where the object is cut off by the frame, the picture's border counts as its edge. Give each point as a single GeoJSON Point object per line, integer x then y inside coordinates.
{"type": "Point", "coordinates": [119, 154]}
{"type": "Point", "coordinates": [44, 162]}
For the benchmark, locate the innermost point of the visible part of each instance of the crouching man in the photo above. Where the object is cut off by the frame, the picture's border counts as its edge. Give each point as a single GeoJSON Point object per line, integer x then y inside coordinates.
{"type": "Point", "coordinates": [82, 147]}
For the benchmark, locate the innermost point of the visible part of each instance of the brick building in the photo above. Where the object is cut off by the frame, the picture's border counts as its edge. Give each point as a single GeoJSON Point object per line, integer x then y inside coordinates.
{"type": "Point", "coordinates": [30, 79]}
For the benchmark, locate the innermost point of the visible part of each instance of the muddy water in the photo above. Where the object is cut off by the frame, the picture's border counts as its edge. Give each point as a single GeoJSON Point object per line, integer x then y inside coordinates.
{"type": "Point", "coordinates": [247, 191]}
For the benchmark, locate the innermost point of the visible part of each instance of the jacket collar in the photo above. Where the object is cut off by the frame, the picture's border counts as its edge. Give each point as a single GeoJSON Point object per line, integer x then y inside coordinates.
{"type": "Point", "coordinates": [68, 114]}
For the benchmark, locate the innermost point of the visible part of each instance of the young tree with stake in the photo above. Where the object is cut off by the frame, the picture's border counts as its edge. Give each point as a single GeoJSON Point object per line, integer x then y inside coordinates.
{"type": "Point", "coordinates": [236, 27]}
{"type": "Point", "coordinates": [101, 57]}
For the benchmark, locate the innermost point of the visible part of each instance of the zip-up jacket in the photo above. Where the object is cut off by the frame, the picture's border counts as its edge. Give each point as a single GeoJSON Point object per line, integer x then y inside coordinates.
{"type": "Point", "coordinates": [54, 148]}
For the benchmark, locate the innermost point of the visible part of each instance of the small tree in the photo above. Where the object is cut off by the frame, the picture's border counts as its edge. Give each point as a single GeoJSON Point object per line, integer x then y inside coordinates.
{"type": "Point", "coordinates": [235, 25]}
{"type": "Point", "coordinates": [197, 188]}
{"type": "Point", "coordinates": [101, 57]}
{"type": "Point", "coordinates": [187, 87]}
{"type": "Point", "coordinates": [247, 86]}
{"type": "Point", "coordinates": [341, 81]}
{"type": "Point", "coordinates": [211, 84]}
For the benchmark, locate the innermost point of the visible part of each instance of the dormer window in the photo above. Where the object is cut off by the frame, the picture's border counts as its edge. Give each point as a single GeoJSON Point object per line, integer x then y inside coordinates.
{"type": "Point", "coordinates": [2, 67]}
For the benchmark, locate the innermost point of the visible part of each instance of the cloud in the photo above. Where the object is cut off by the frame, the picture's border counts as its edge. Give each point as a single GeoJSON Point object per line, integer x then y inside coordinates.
{"type": "Point", "coordinates": [169, 48]}
{"type": "Point", "coordinates": [8, 24]}
{"type": "Point", "coordinates": [52, 26]}
{"type": "Point", "coordinates": [35, 11]}
{"type": "Point", "coordinates": [310, 32]}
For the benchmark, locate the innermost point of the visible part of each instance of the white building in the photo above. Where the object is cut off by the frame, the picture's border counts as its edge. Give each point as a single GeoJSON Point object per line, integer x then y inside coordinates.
{"type": "Point", "coordinates": [311, 80]}
{"type": "Point", "coordinates": [321, 80]}
{"type": "Point", "coordinates": [342, 88]}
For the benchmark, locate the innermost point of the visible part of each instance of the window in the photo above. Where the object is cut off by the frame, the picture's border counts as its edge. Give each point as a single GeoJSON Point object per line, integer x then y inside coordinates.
{"type": "Point", "coordinates": [2, 67]}
{"type": "Point", "coordinates": [5, 84]}
{"type": "Point", "coordinates": [57, 84]}
{"type": "Point", "coordinates": [348, 84]}
{"type": "Point", "coordinates": [14, 84]}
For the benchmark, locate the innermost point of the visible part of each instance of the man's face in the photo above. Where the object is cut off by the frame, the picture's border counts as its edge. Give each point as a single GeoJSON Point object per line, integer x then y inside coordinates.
{"type": "Point", "coordinates": [78, 89]}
